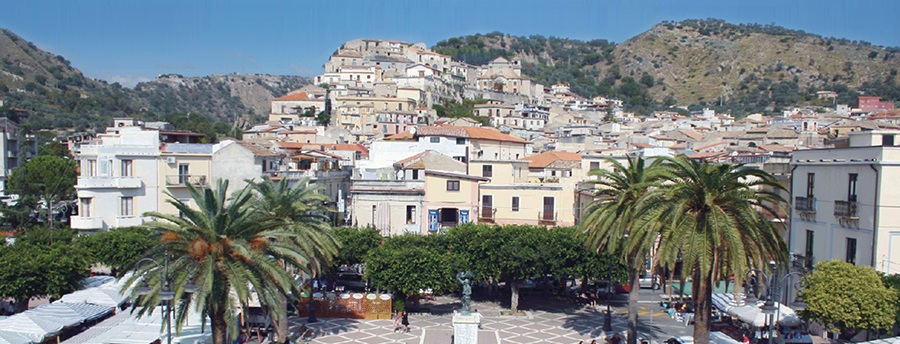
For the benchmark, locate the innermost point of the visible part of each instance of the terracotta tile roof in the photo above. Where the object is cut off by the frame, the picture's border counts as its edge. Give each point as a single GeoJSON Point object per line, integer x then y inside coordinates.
{"type": "Point", "coordinates": [545, 159]}
{"type": "Point", "coordinates": [712, 145]}
{"type": "Point", "coordinates": [775, 148]}
{"type": "Point", "coordinates": [411, 158]}
{"type": "Point", "coordinates": [468, 132]}
{"type": "Point", "coordinates": [406, 135]}
{"type": "Point", "coordinates": [642, 145]}
{"type": "Point", "coordinates": [325, 146]}
{"type": "Point", "coordinates": [692, 134]}
{"type": "Point", "coordinates": [294, 97]}
{"type": "Point", "coordinates": [707, 155]}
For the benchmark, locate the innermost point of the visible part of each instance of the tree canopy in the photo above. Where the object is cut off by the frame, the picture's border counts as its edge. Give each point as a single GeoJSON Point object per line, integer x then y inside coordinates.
{"type": "Point", "coordinates": [842, 296]}
{"type": "Point", "coordinates": [47, 176]}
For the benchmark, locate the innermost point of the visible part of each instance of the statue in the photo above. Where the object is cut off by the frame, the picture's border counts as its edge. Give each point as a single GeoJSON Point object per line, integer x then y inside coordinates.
{"type": "Point", "coordinates": [465, 278]}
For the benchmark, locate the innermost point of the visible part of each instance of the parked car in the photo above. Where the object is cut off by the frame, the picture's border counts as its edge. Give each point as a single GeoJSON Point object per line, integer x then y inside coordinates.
{"type": "Point", "coordinates": [648, 280]}
{"type": "Point", "coordinates": [350, 282]}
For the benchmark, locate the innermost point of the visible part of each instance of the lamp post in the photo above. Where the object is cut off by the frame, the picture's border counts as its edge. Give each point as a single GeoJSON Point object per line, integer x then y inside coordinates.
{"type": "Point", "coordinates": [768, 307]}
{"type": "Point", "coordinates": [607, 320]}
{"type": "Point", "coordinates": [166, 294]}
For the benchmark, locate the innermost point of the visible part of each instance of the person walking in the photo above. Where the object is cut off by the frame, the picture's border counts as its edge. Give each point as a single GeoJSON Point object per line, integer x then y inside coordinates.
{"type": "Point", "coordinates": [396, 319]}
{"type": "Point", "coordinates": [405, 322]}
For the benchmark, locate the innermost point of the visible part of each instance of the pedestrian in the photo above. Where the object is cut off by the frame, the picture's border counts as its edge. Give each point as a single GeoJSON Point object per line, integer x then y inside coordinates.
{"type": "Point", "coordinates": [616, 339]}
{"type": "Point", "coordinates": [396, 318]}
{"type": "Point", "coordinates": [405, 321]}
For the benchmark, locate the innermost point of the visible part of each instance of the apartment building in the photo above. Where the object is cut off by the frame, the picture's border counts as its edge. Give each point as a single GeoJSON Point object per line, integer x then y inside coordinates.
{"type": "Point", "coordinates": [127, 172]}
{"type": "Point", "coordinates": [425, 192]}
{"type": "Point", "coordinates": [15, 148]}
{"type": "Point", "coordinates": [844, 202]}
{"type": "Point", "coordinates": [537, 190]}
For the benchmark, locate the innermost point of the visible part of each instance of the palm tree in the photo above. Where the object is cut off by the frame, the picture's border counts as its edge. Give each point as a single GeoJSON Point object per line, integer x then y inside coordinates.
{"type": "Point", "coordinates": [716, 219]}
{"type": "Point", "coordinates": [301, 211]}
{"type": "Point", "coordinates": [233, 254]}
{"type": "Point", "coordinates": [611, 218]}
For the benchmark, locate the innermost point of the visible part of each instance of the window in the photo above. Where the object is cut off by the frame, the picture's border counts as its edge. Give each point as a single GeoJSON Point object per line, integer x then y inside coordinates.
{"type": "Point", "coordinates": [85, 207]}
{"type": "Point", "coordinates": [810, 236]}
{"type": "Point", "coordinates": [487, 206]}
{"type": "Point", "coordinates": [410, 214]}
{"type": "Point", "coordinates": [127, 206]}
{"type": "Point", "coordinates": [887, 140]}
{"type": "Point", "coordinates": [515, 203]}
{"type": "Point", "coordinates": [851, 251]}
{"type": "Point", "coordinates": [810, 184]}
{"type": "Point", "coordinates": [851, 188]}
{"type": "Point", "coordinates": [460, 158]}
{"type": "Point", "coordinates": [435, 139]}
{"type": "Point", "coordinates": [415, 174]}
{"type": "Point", "coordinates": [183, 173]}
{"type": "Point", "coordinates": [91, 168]}
{"type": "Point", "coordinates": [105, 168]}
{"type": "Point", "coordinates": [127, 168]}
{"type": "Point", "coordinates": [548, 209]}
{"type": "Point", "coordinates": [452, 185]}
{"type": "Point", "coordinates": [595, 165]}
{"type": "Point", "coordinates": [487, 171]}
{"type": "Point", "coordinates": [460, 140]}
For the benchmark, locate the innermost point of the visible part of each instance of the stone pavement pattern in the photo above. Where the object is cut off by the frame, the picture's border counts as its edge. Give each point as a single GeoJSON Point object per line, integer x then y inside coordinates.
{"type": "Point", "coordinates": [547, 320]}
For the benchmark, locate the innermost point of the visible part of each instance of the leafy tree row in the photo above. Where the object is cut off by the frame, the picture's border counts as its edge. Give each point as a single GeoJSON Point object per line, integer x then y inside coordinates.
{"type": "Point", "coordinates": [407, 264]}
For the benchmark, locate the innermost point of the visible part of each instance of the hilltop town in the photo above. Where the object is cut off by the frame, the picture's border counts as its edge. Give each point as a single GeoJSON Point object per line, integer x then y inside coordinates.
{"type": "Point", "coordinates": [371, 133]}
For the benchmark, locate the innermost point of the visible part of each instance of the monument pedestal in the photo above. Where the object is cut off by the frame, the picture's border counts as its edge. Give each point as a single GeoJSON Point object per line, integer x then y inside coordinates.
{"type": "Point", "coordinates": [465, 328]}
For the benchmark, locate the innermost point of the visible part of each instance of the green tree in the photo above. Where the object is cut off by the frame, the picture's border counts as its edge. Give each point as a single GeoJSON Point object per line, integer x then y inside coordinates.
{"type": "Point", "coordinates": [118, 248]}
{"type": "Point", "coordinates": [235, 250]}
{"type": "Point", "coordinates": [716, 219]}
{"type": "Point", "coordinates": [409, 263]}
{"type": "Point", "coordinates": [356, 243]}
{"type": "Point", "coordinates": [34, 270]}
{"type": "Point", "coordinates": [842, 296]}
{"type": "Point", "coordinates": [298, 210]}
{"type": "Point", "coordinates": [610, 221]}
{"type": "Point", "coordinates": [49, 177]}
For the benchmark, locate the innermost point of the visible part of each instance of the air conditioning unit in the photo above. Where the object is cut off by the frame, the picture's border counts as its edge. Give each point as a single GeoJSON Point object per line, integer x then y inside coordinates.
{"type": "Point", "coordinates": [171, 160]}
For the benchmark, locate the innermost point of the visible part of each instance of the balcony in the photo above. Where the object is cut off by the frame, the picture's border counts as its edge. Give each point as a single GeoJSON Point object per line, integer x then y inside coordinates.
{"type": "Point", "coordinates": [487, 214]}
{"type": "Point", "coordinates": [79, 222]}
{"type": "Point", "coordinates": [108, 183]}
{"type": "Point", "coordinates": [547, 218]}
{"type": "Point", "coordinates": [128, 221]}
{"type": "Point", "coordinates": [805, 204]}
{"type": "Point", "coordinates": [183, 180]}
{"type": "Point", "coordinates": [291, 175]}
{"type": "Point", "coordinates": [846, 209]}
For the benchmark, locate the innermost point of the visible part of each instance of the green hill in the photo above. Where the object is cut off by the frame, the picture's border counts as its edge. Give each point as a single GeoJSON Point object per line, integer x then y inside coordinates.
{"type": "Point", "coordinates": [744, 67]}
{"type": "Point", "coordinates": [59, 96]}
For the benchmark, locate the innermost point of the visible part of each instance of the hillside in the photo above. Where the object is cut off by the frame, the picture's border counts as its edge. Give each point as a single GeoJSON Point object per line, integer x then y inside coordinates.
{"type": "Point", "coordinates": [745, 68]}
{"type": "Point", "coordinates": [58, 95]}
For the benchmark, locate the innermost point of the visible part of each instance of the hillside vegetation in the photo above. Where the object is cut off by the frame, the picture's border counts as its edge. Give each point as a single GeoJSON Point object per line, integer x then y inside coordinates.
{"type": "Point", "coordinates": [742, 68]}
{"type": "Point", "coordinates": [58, 95]}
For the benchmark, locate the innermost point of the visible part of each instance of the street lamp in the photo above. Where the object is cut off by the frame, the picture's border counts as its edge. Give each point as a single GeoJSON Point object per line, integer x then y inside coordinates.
{"type": "Point", "coordinates": [607, 320]}
{"type": "Point", "coordinates": [166, 294]}
{"type": "Point", "coordinates": [768, 308]}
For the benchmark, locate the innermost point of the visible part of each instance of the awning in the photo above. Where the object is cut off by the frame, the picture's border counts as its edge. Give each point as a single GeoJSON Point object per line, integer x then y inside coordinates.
{"type": "Point", "coordinates": [34, 327]}
{"type": "Point", "coordinates": [127, 328]}
{"type": "Point", "coordinates": [103, 295]}
{"type": "Point", "coordinates": [74, 313]}
{"type": "Point", "coordinates": [7, 337]}
{"type": "Point", "coordinates": [751, 314]}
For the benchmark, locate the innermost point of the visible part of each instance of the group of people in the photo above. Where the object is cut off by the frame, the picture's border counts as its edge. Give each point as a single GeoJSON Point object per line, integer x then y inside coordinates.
{"type": "Point", "coordinates": [401, 321]}
{"type": "Point", "coordinates": [614, 339]}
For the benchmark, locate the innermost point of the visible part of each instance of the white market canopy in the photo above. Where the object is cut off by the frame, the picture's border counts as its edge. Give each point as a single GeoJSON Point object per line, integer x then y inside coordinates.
{"type": "Point", "coordinates": [892, 340]}
{"type": "Point", "coordinates": [105, 295]}
{"type": "Point", "coordinates": [127, 328]}
{"type": "Point", "coordinates": [34, 327]}
{"type": "Point", "coordinates": [7, 337]}
{"type": "Point", "coordinates": [751, 313]}
{"type": "Point", "coordinates": [70, 314]}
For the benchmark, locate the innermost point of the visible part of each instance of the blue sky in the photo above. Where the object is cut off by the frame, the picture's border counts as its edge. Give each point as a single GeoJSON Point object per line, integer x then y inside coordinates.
{"type": "Point", "coordinates": [128, 40]}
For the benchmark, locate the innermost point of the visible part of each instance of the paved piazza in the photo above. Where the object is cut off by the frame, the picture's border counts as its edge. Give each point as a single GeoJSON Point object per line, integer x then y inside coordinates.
{"type": "Point", "coordinates": [547, 320]}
